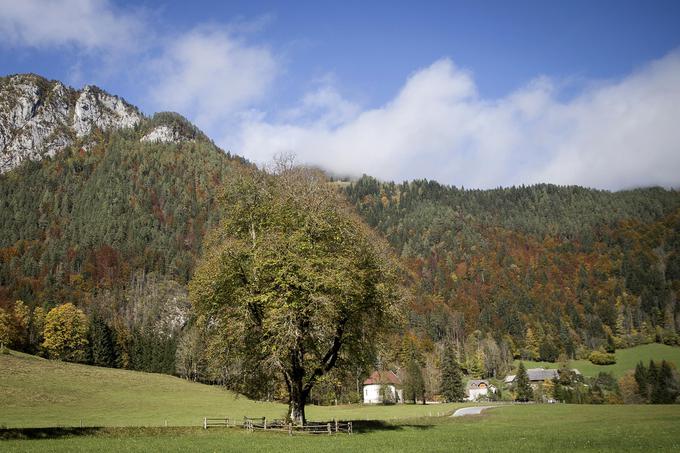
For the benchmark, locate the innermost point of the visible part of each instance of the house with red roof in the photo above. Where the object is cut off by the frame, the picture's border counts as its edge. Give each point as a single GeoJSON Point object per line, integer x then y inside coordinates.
{"type": "Point", "coordinates": [383, 387]}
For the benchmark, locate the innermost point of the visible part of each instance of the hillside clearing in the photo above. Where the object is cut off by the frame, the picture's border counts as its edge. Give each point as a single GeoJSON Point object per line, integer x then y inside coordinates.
{"type": "Point", "coordinates": [626, 359]}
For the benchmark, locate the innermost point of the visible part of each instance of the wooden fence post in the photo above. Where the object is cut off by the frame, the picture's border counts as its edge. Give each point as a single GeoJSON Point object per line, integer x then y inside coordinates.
{"type": "Point", "coordinates": [336, 425]}
{"type": "Point", "coordinates": [329, 429]}
{"type": "Point", "coordinates": [349, 427]}
{"type": "Point", "coordinates": [264, 420]}
{"type": "Point", "coordinates": [290, 429]}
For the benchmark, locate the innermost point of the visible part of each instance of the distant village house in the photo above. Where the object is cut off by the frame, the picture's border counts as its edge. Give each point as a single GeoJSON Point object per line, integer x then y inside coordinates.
{"type": "Point", "coordinates": [383, 387]}
{"type": "Point", "coordinates": [478, 389]}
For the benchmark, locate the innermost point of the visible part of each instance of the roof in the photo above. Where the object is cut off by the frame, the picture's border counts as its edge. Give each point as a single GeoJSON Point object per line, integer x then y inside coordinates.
{"type": "Point", "coordinates": [474, 383]}
{"type": "Point", "coordinates": [541, 374]}
{"type": "Point", "coordinates": [382, 377]}
{"type": "Point", "coordinates": [536, 374]}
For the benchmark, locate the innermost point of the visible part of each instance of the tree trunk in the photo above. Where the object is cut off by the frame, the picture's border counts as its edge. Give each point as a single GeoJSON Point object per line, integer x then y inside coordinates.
{"type": "Point", "coordinates": [296, 405]}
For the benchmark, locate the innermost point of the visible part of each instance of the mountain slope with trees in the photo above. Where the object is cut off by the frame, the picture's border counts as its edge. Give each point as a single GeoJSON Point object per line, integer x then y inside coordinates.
{"type": "Point", "coordinates": [113, 223]}
{"type": "Point", "coordinates": [534, 272]}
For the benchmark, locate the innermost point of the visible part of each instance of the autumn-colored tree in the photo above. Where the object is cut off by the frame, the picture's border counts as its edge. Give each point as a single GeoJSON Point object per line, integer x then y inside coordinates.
{"type": "Point", "coordinates": [21, 317]}
{"type": "Point", "coordinates": [6, 328]}
{"type": "Point", "coordinates": [531, 345]}
{"type": "Point", "coordinates": [629, 389]}
{"type": "Point", "coordinates": [37, 327]}
{"type": "Point", "coordinates": [65, 333]}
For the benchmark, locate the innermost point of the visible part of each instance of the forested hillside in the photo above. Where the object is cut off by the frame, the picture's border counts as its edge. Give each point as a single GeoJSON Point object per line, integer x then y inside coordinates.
{"type": "Point", "coordinates": [533, 272]}
{"type": "Point", "coordinates": [115, 229]}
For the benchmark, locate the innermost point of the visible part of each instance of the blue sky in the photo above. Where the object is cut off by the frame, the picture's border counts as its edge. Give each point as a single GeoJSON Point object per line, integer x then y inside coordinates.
{"type": "Point", "coordinates": [479, 94]}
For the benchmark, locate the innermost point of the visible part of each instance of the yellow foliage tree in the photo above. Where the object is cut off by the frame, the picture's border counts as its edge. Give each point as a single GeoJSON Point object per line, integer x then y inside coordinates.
{"type": "Point", "coordinates": [531, 344]}
{"type": "Point", "coordinates": [6, 328]}
{"type": "Point", "coordinates": [65, 333]}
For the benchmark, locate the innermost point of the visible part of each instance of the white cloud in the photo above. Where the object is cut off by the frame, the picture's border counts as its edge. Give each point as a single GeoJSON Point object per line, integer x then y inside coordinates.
{"type": "Point", "coordinates": [210, 74]}
{"type": "Point", "coordinates": [87, 24]}
{"type": "Point", "coordinates": [619, 134]}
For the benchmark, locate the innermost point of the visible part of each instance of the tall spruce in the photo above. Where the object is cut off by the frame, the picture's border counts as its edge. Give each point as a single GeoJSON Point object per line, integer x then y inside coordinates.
{"type": "Point", "coordinates": [641, 379]}
{"type": "Point", "coordinates": [664, 390]}
{"type": "Point", "coordinates": [102, 343]}
{"type": "Point", "coordinates": [523, 389]}
{"type": "Point", "coordinates": [452, 387]}
{"type": "Point", "coordinates": [414, 384]}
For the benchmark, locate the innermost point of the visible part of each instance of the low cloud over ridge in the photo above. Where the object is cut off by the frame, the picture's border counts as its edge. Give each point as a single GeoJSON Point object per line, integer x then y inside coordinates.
{"type": "Point", "coordinates": [615, 135]}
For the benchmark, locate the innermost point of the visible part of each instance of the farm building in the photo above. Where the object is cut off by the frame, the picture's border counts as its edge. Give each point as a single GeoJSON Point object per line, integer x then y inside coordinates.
{"type": "Point", "coordinates": [478, 389]}
{"type": "Point", "coordinates": [538, 376]}
{"type": "Point", "coordinates": [383, 387]}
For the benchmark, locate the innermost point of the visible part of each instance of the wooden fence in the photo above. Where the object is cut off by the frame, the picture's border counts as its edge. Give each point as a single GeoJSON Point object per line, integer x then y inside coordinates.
{"type": "Point", "coordinates": [261, 423]}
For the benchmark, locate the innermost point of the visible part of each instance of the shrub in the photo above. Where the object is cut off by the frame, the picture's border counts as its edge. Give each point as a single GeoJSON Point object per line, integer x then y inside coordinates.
{"type": "Point", "coordinates": [602, 358]}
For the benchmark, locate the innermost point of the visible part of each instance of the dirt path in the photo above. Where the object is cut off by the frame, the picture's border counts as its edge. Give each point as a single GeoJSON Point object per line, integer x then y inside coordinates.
{"type": "Point", "coordinates": [476, 410]}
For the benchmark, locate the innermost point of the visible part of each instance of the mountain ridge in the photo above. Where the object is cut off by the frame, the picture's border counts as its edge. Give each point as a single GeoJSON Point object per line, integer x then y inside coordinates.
{"type": "Point", "coordinates": [41, 117]}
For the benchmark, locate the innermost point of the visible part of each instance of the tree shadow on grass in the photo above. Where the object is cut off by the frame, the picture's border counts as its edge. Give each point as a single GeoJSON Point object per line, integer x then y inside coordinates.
{"type": "Point", "coordinates": [368, 426]}
{"type": "Point", "coordinates": [46, 433]}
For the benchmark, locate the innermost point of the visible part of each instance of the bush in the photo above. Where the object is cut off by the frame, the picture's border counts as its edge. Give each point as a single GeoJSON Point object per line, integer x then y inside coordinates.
{"type": "Point", "coordinates": [602, 358]}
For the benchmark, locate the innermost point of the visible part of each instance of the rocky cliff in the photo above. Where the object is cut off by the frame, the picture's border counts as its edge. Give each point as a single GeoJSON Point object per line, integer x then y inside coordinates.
{"type": "Point", "coordinates": [39, 117]}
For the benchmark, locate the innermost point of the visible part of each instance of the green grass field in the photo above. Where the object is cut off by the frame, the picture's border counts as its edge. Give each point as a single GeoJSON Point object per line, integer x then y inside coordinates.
{"type": "Point", "coordinates": [626, 359]}
{"type": "Point", "coordinates": [533, 428]}
{"type": "Point", "coordinates": [37, 393]}
{"type": "Point", "coordinates": [132, 408]}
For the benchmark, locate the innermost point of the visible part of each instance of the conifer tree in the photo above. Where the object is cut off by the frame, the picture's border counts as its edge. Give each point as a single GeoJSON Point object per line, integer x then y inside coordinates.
{"type": "Point", "coordinates": [102, 343]}
{"type": "Point", "coordinates": [452, 387]}
{"type": "Point", "coordinates": [641, 379]}
{"type": "Point", "coordinates": [414, 384]}
{"type": "Point", "coordinates": [664, 390]}
{"type": "Point", "coordinates": [522, 387]}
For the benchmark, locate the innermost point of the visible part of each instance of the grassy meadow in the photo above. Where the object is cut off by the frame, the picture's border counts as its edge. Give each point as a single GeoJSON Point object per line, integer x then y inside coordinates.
{"type": "Point", "coordinates": [533, 428]}
{"type": "Point", "coordinates": [40, 393]}
{"type": "Point", "coordinates": [126, 411]}
{"type": "Point", "coordinates": [626, 359]}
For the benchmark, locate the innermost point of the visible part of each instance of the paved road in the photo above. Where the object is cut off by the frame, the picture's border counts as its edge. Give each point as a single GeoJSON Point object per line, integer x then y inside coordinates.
{"type": "Point", "coordinates": [471, 410]}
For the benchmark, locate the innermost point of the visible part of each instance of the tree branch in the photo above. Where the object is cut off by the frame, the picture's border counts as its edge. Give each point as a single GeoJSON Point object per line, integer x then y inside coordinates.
{"type": "Point", "coordinates": [328, 361]}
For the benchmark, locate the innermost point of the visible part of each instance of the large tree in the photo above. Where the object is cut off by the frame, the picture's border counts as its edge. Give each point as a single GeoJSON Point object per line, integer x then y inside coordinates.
{"type": "Point", "coordinates": [292, 284]}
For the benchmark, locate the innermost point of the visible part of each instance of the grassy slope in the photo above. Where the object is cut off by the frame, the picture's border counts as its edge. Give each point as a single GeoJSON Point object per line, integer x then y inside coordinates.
{"type": "Point", "coordinates": [38, 393]}
{"type": "Point", "coordinates": [514, 428]}
{"type": "Point", "coordinates": [626, 359]}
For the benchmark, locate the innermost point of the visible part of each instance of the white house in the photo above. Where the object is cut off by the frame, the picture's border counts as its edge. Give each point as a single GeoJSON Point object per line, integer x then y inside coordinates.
{"type": "Point", "coordinates": [478, 388]}
{"type": "Point", "coordinates": [383, 386]}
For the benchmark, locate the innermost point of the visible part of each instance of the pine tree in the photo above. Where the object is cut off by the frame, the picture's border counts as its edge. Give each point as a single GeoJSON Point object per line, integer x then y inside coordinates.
{"type": "Point", "coordinates": [102, 343]}
{"type": "Point", "coordinates": [414, 384]}
{"type": "Point", "coordinates": [453, 387]}
{"type": "Point", "coordinates": [664, 387]}
{"type": "Point", "coordinates": [641, 379]}
{"type": "Point", "coordinates": [522, 387]}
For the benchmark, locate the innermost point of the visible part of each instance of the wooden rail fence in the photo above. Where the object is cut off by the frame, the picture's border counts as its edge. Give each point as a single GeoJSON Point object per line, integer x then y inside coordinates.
{"type": "Point", "coordinates": [261, 423]}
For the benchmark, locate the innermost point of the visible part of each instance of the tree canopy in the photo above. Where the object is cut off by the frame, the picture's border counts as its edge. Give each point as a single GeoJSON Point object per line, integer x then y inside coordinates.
{"type": "Point", "coordinates": [293, 284]}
